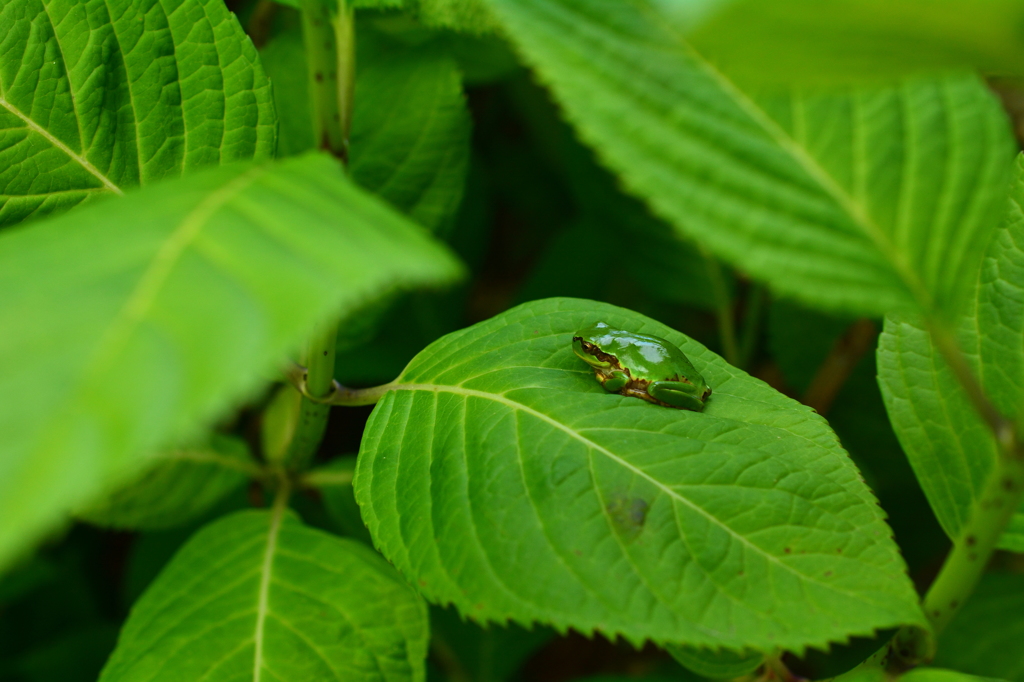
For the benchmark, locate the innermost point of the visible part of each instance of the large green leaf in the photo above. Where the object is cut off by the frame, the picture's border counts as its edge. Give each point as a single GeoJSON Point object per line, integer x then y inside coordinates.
{"type": "Point", "coordinates": [180, 486]}
{"type": "Point", "coordinates": [410, 125]}
{"type": "Point", "coordinates": [985, 636]}
{"type": "Point", "coordinates": [411, 128]}
{"type": "Point", "coordinates": [258, 596]}
{"type": "Point", "coordinates": [500, 477]}
{"type": "Point", "coordinates": [842, 41]}
{"type": "Point", "coordinates": [865, 201]}
{"type": "Point", "coordinates": [129, 325]}
{"type": "Point", "coordinates": [951, 449]}
{"type": "Point", "coordinates": [97, 97]}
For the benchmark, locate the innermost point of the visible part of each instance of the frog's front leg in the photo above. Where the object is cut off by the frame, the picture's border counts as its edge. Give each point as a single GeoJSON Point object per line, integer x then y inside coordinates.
{"type": "Point", "coordinates": [677, 393]}
{"type": "Point", "coordinates": [613, 381]}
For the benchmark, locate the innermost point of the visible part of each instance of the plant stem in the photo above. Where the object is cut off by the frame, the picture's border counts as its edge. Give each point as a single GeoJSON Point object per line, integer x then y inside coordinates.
{"type": "Point", "coordinates": [836, 369]}
{"type": "Point", "coordinates": [723, 303]}
{"type": "Point", "coordinates": [751, 324]}
{"type": "Point", "coordinates": [329, 39]}
{"type": "Point", "coordinates": [312, 420]}
{"type": "Point", "coordinates": [989, 516]}
{"type": "Point", "coordinates": [260, 21]}
{"type": "Point", "coordinates": [999, 499]}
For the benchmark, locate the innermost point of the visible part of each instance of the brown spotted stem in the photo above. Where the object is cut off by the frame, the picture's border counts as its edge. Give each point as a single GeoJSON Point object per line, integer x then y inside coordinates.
{"type": "Point", "coordinates": [328, 34]}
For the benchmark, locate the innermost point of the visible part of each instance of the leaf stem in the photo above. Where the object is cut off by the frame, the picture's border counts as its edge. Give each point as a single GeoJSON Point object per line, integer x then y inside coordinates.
{"type": "Point", "coordinates": [338, 395]}
{"type": "Point", "coordinates": [1001, 427]}
{"type": "Point", "coordinates": [326, 479]}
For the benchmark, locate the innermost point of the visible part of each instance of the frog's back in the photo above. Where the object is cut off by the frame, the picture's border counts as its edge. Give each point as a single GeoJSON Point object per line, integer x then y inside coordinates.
{"type": "Point", "coordinates": [647, 351]}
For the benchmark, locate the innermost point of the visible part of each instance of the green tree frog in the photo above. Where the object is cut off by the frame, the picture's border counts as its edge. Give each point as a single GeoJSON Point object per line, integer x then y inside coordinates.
{"type": "Point", "coordinates": [641, 366]}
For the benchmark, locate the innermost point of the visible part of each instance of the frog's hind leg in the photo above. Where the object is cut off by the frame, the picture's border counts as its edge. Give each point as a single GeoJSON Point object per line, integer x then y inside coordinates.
{"type": "Point", "coordinates": [677, 394]}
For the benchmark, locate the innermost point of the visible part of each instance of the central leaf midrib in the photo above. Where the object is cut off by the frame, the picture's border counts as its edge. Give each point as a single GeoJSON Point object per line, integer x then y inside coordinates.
{"type": "Point", "coordinates": [266, 568]}
{"type": "Point", "coordinates": [459, 390]}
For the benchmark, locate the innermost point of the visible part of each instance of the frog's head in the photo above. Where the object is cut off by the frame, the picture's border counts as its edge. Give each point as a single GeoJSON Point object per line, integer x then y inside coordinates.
{"type": "Point", "coordinates": [586, 346]}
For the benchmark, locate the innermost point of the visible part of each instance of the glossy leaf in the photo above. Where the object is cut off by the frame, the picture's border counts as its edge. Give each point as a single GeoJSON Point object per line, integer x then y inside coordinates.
{"type": "Point", "coordinates": [410, 125]}
{"type": "Point", "coordinates": [951, 449]}
{"type": "Point", "coordinates": [109, 316]}
{"type": "Point", "coordinates": [100, 97]}
{"type": "Point", "coordinates": [985, 636]}
{"type": "Point", "coordinates": [258, 596]}
{"type": "Point", "coordinates": [864, 201]}
{"type": "Point", "coordinates": [500, 477]}
{"type": "Point", "coordinates": [179, 486]}
{"type": "Point", "coordinates": [843, 41]}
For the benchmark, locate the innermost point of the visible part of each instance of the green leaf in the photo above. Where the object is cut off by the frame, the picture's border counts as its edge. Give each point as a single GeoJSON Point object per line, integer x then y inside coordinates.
{"type": "Point", "coordinates": [940, 675]}
{"type": "Point", "coordinates": [864, 201]}
{"type": "Point", "coordinates": [469, 16]}
{"type": "Point", "coordinates": [97, 98]}
{"type": "Point", "coordinates": [130, 325]}
{"type": "Point", "coordinates": [179, 486]}
{"type": "Point", "coordinates": [410, 128]}
{"type": "Point", "coordinates": [951, 449]}
{"type": "Point", "coordinates": [717, 665]}
{"type": "Point", "coordinates": [985, 636]}
{"type": "Point", "coordinates": [843, 41]}
{"type": "Point", "coordinates": [500, 477]}
{"type": "Point", "coordinates": [410, 125]}
{"type": "Point", "coordinates": [257, 595]}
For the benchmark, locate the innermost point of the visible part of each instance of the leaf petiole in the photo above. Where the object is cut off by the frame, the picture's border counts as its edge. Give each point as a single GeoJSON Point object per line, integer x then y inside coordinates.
{"type": "Point", "coordinates": [298, 376]}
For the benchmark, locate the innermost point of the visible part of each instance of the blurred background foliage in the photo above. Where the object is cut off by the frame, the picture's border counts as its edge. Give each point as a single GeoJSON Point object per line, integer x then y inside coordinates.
{"type": "Point", "coordinates": [533, 216]}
